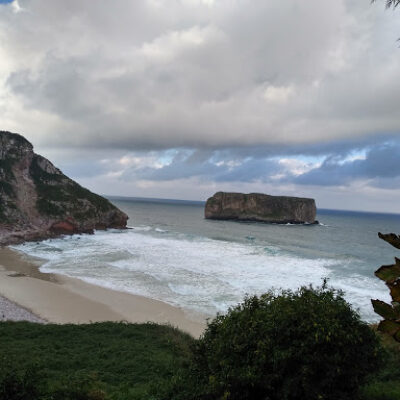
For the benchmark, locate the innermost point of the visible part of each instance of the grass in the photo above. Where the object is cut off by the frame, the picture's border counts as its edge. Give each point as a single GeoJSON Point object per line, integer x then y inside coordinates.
{"type": "Point", "coordinates": [126, 361]}
{"type": "Point", "coordinates": [120, 361]}
{"type": "Point", "coordinates": [385, 384]}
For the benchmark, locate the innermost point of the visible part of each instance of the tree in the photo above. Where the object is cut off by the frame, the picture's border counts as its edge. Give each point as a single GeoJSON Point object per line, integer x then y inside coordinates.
{"type": "Point", "coordinates": [309, 344]}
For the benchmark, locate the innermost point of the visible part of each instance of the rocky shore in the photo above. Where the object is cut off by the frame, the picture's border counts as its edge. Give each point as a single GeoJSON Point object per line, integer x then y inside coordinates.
{"type": "Point", "coordinates": [37, 201]}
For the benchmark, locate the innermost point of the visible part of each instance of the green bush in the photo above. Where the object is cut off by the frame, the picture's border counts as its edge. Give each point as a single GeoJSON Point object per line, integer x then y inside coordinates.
{"type": "Point", "coordinates": [301, 345]}
{"type": "Point", "coordinates": [17, 385]}
{"type": "Point", "coordinates": [385, 383]}
{"type": "Point", "coordinates": [82, 387]}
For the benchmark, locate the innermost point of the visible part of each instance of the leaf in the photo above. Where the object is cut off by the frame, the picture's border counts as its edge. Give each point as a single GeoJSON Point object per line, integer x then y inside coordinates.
{"type": "Point", "coordinates": [385, 310]}
{"type": "Point", "coordinates": [389, 273]}
{"type": "Point", "coordinates": [397, 336]}
{"type": "Point", "coordinates": [389, 327]}
{"type": "Point", "coordinates": [396, 307]}
{"type": "Point", "coordinates": [395, 290]}
{"type": "Point", "coordinates": [391, 238]}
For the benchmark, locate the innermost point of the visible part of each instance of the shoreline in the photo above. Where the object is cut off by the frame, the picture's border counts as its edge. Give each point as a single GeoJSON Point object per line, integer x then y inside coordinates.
{"type": "Point", "coordinates": [61, 299]}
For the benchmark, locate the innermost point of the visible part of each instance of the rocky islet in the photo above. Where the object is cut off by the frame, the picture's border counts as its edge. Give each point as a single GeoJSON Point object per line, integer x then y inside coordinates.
{"type": "Point", "coordinates": [261, 208]}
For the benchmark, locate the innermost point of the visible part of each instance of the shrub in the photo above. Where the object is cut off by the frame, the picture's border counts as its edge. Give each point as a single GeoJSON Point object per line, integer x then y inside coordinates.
{"type": "Point", "coordinates": [17, 385]}
{"type": "Point", "coordinates": [301, 345]}
{"type": "Point", "coordinates": [79, 387]}
{"type": "Point", "coordinates": [385, 384]}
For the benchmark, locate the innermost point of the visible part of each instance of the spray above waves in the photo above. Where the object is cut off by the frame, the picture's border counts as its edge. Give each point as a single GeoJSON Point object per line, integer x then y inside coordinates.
{"type": "Point", "coordinates": [196, 273]}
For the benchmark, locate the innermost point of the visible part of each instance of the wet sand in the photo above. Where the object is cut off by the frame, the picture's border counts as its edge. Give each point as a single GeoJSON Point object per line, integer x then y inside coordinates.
{"type": "Point", "coordinates": [60, 299]}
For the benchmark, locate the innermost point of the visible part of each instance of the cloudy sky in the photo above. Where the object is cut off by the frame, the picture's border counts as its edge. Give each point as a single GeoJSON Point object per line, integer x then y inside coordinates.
{"type": "Point", "coordinates": [182, 98]}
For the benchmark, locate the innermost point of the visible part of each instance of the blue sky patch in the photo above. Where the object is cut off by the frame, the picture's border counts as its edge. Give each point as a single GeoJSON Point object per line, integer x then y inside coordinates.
{"type": "Point", "coordinates": [6, 1]}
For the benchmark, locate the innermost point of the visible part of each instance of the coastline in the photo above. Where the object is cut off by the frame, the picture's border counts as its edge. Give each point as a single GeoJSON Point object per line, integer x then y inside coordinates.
{"type": "Point", "coordinates": [61, 299]}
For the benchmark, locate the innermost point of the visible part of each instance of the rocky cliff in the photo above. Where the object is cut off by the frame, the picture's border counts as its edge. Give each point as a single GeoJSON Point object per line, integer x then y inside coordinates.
{"type": "Point", "coordinates": [261, 207]}
{"type": "Point", "coordinates": [38, 201]}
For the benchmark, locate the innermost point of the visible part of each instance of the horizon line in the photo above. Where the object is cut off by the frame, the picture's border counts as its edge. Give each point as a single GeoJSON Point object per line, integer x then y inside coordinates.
{"type": "Point", "coordinates": [160, 199]}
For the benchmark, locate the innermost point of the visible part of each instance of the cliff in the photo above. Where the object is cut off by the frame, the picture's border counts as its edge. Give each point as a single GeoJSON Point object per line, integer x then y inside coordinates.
{"type": "Point", "coordinates": [38, 201]}
{"type": "Point", "coordinates": [261, 207]}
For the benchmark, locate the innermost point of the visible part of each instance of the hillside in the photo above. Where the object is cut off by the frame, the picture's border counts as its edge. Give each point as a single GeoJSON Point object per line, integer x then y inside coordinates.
{"type": "Point", "coordinates": [38, 201]}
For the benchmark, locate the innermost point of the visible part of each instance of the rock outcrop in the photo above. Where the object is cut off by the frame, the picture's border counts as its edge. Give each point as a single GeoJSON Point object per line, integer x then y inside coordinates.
{"type": "Point", "coordinates": [38, 201]}
{"type": "Point", "coordinates": [261, 207]}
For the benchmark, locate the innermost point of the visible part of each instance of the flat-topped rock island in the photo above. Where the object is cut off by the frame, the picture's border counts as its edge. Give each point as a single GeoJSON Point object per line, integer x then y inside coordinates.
{"type": "Point", "coordinates": [261, 207]}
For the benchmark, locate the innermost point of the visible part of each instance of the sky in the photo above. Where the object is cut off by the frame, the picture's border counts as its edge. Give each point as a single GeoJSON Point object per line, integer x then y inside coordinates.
{"type": "Point", "coordinates": [183, 98]}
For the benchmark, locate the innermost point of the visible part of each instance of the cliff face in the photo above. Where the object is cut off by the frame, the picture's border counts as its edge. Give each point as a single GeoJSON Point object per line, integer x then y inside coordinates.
{"type": "Point", "coordinates": [38, 201]}
{"type": "Point", "coordinates": [261, 207]}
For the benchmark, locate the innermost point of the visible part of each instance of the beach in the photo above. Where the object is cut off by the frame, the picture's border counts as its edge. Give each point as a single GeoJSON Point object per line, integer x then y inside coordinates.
{"type": "Point", "coordinates": [59, 299]}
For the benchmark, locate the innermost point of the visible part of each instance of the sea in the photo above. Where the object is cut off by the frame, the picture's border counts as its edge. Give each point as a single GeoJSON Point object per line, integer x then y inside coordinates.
{"type": "Point", "coordinates": [171, 253]}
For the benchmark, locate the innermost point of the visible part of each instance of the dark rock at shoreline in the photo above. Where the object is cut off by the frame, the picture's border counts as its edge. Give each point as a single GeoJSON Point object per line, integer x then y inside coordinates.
{"type": "Point", "coordinates": [261, 207]}
{"type": "Point", "coordinates": [37, 201]}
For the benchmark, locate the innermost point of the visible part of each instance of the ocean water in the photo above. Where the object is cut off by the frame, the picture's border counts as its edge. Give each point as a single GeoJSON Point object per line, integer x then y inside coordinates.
{"type": "Point", "coordinates": [171, 253]}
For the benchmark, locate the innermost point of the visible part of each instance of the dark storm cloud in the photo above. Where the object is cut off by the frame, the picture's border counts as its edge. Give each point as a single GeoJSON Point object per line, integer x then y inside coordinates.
{"type": "Point", "coordinates": [380, 162]}
{"type": "Point", "coordinates": [198, 74]}
{"type": "Point", "coordinates": [209, 166]}
{"type": "Point", "coordinates": [379, 165]}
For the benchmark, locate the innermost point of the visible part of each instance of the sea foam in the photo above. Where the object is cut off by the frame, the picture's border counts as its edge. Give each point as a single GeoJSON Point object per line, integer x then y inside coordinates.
{"type": "Point", "coordinates": [196, 273]}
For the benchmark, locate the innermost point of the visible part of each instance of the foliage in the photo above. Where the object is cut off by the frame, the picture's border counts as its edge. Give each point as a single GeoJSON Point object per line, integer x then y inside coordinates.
{"type": "Point", "coordinates": [390, 274]}
{"type": "Point", "coordinates": [6, 165]}
{"type": "Point", "coordinates": [57, 194]}
{"type": "Point", "coordinates": [307, 344]}
{"type": "Point", "coordinates": [385, 383]}
{"type": "Point", "coordinates": [93, 361]}
{"type": "Point", "coordinates": [17, 385]}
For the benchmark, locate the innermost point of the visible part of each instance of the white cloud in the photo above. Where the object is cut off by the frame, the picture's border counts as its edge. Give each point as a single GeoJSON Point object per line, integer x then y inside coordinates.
{"type": "Point", "coordinates": [16, 7]}
{"type": "Point", "coordinates": [190, 73]}
{"type": "Point", "coordinates": [280, 95]}
{"type": "Point", "coordinates": [297, 167]}
{"type": "Point", "coordinates": [171, 44]}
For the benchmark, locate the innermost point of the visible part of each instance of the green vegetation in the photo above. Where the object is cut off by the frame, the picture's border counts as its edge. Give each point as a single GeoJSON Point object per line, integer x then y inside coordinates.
{"type": "Point", "coordinates": [299, 345]}
{"type": "Point", "coordinates": [125, 361]}
{"type": "Point", "coordinates": [6, 189]}
{"type": "Point", "coordinates": [15, 136]}
{"type": "Point", "coordinates": [58, 194]}
{"type": "Point", "coordinates": [6, 168]}
{"type": "Point", "coordinates": [307, 344]}
{"type": "Point", "coordinates": [385, 383]}
{"type": "Point", "coordinates": [390, 274]}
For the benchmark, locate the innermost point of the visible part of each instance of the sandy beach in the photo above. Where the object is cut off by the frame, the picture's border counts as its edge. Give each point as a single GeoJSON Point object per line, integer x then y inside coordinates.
{"type": "Point", "coordinates": [60, 299]}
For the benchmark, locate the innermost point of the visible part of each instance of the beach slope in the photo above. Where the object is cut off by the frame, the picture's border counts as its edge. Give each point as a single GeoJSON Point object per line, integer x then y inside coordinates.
{"type": "Point", "coordinates": [60, 299]}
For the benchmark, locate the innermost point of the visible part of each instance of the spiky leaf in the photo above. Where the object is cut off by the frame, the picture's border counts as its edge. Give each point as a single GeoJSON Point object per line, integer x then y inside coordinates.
{"type": "Point", "coordinates": [396, 307]}
{"type": "Point", "coordinates": [389, 273]}
{"type": "Point", "coordinates": [395, 290]}
{"type": "Point", "coordinates": [385, 310]}
{"type": "Point", "coordinates": [391, 238]}
{"type": "Point", "coordinates": [389, 327]}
